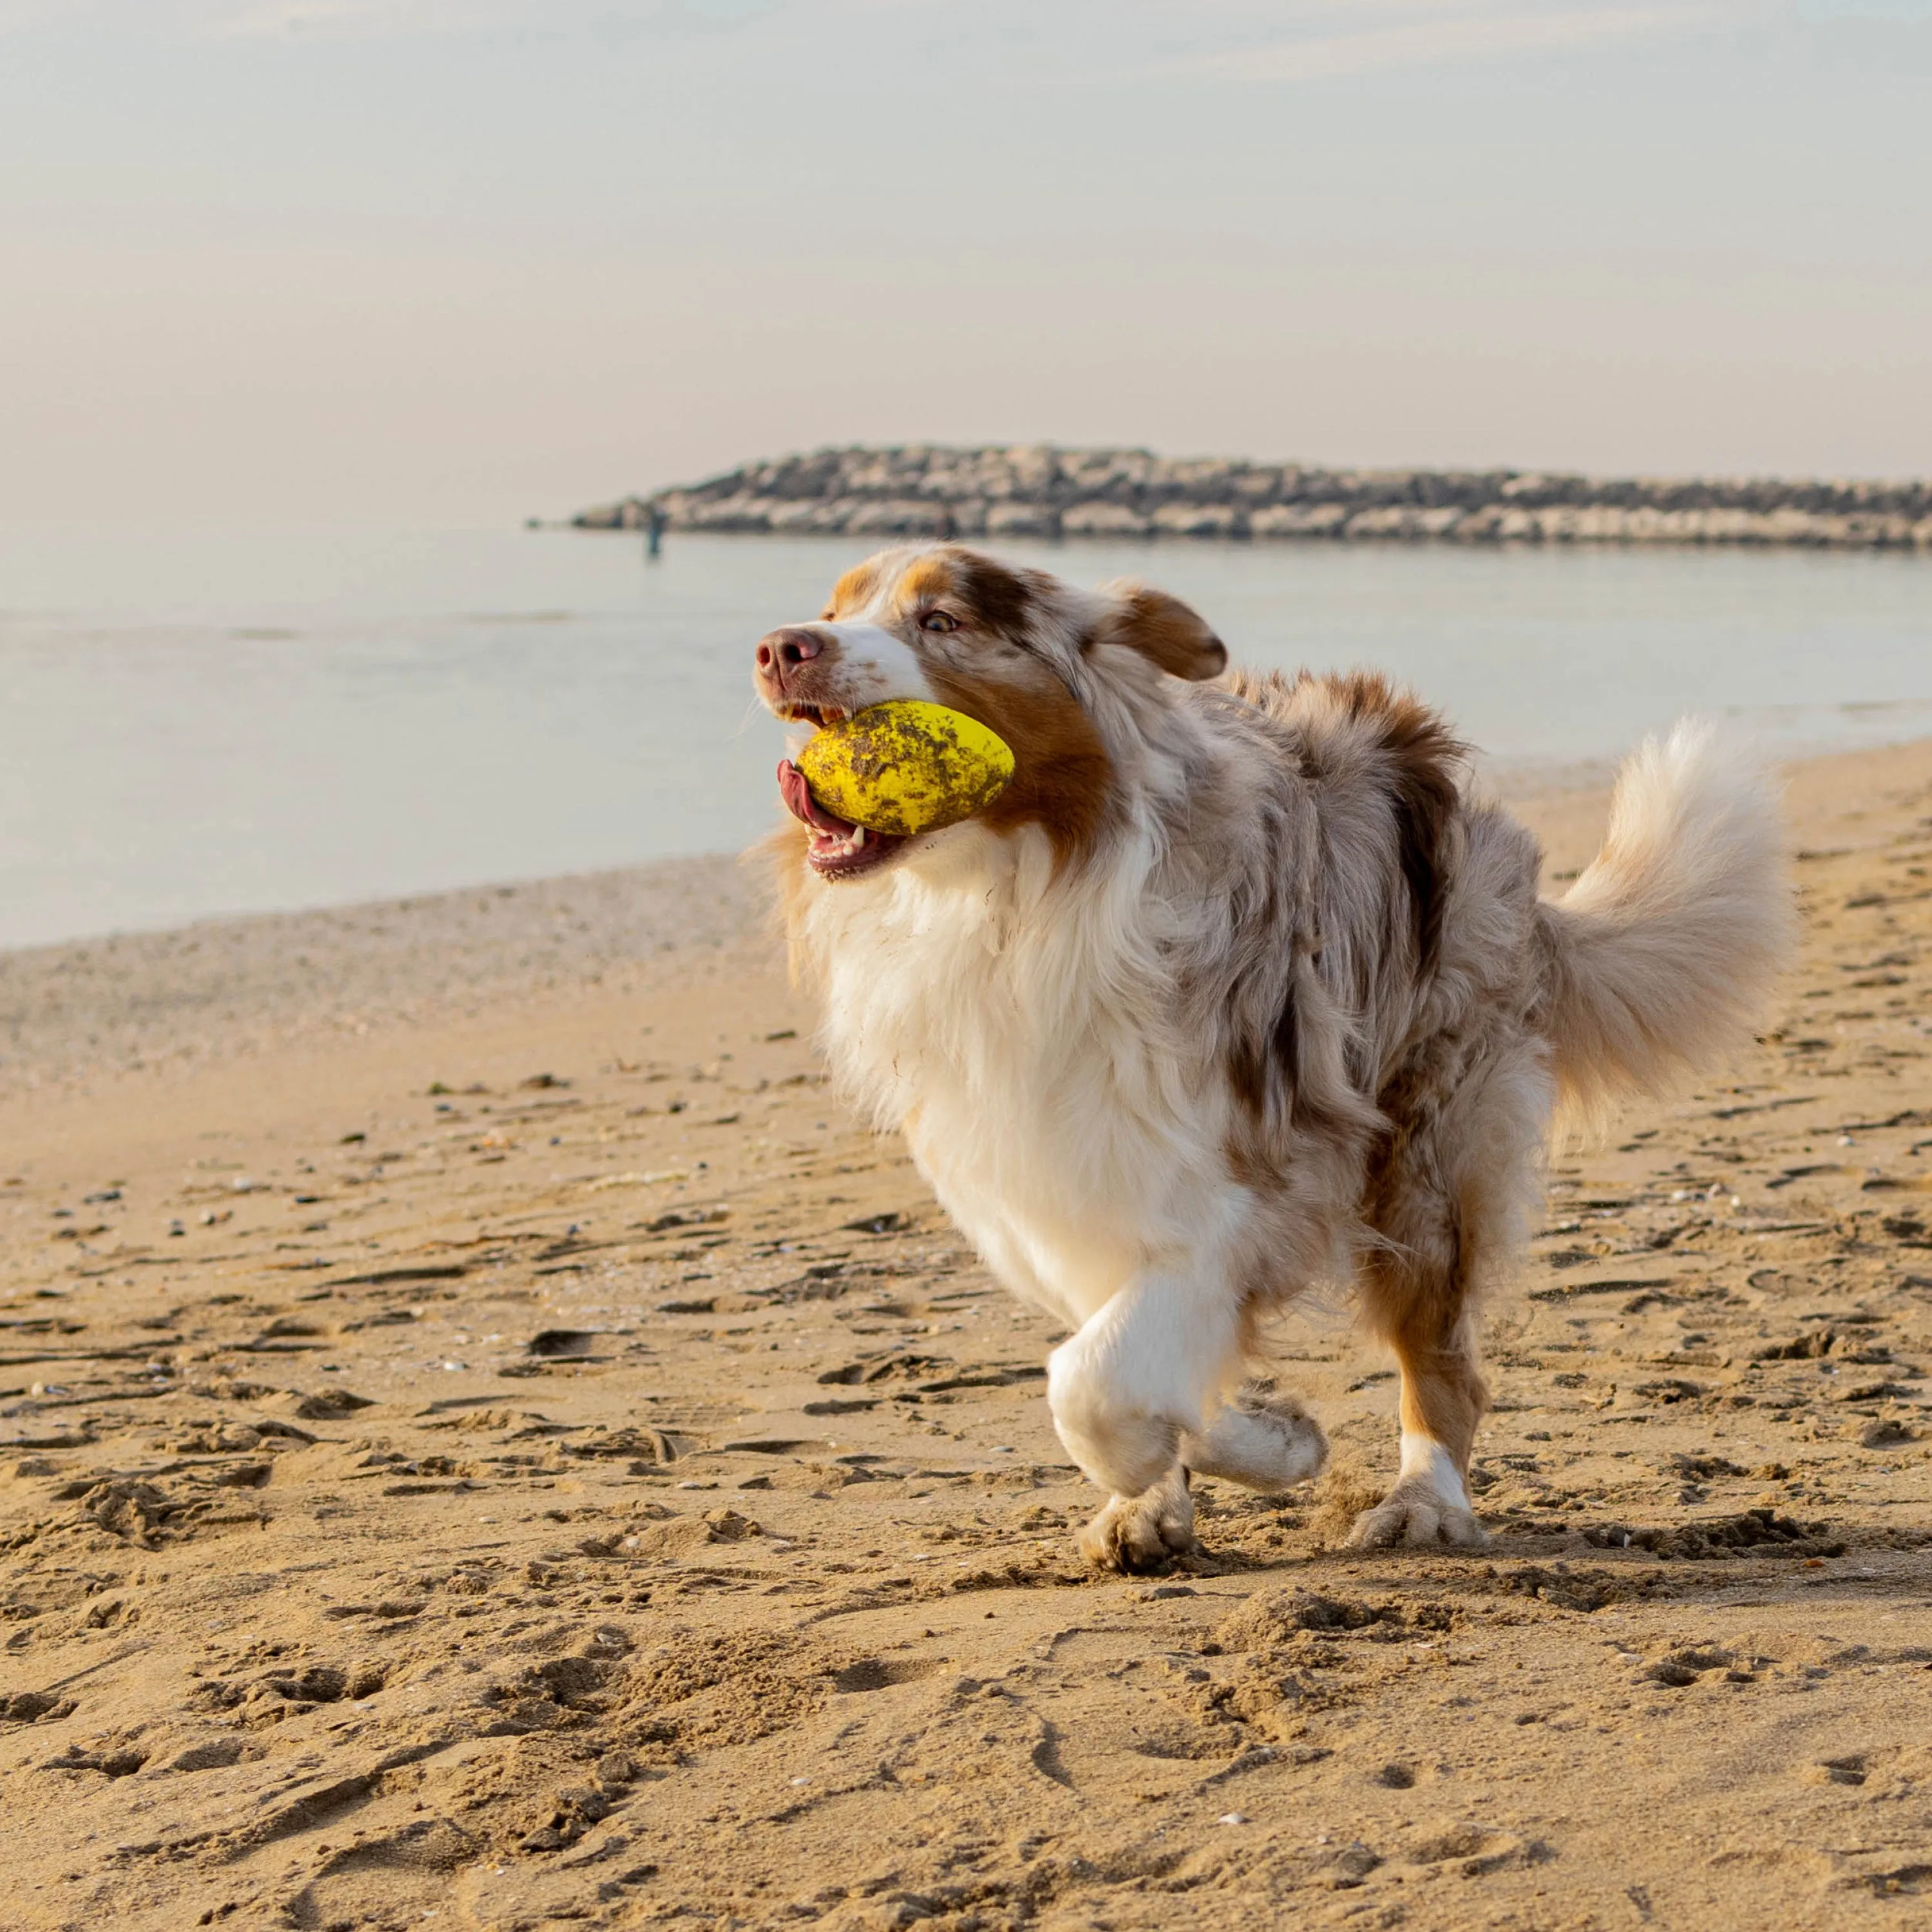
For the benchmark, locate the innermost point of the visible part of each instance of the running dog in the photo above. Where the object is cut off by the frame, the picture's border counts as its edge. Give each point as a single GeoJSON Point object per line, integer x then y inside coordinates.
{"type": "Point", "coordinates": [1236, 990]}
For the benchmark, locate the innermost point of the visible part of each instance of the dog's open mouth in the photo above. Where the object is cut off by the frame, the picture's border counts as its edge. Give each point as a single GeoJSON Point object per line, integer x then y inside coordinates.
{"type": "Point", "coordinates": [796, 711]}
{"type": "Point", "coordinates": [838, 850]}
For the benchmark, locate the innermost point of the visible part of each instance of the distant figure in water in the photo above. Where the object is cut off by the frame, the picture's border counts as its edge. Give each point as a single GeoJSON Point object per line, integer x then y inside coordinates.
{"type": "Point", "coordinates": [654, 529]}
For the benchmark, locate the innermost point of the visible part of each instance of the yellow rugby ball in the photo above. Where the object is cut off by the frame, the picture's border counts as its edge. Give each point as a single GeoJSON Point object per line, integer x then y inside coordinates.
{"type": "Point", "coordinates": [906, 766]}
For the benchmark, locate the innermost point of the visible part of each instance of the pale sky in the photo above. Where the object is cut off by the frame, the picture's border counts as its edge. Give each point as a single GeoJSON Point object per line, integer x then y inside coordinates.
{"type": "Point", "coordinates": [452, 262]}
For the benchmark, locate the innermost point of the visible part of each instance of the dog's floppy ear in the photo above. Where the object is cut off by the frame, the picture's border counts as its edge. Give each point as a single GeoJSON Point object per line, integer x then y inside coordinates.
{"type": "Point", "coordinates": [1163, 628]}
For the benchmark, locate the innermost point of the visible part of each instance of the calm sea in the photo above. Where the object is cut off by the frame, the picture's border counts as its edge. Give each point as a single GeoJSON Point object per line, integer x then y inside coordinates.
{"type": "Point", "coordinates": [204, 724]}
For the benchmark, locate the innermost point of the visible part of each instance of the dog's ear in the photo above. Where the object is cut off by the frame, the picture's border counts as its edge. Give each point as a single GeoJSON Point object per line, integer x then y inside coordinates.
{"type": "Point", "coordinates": [1163, 628]}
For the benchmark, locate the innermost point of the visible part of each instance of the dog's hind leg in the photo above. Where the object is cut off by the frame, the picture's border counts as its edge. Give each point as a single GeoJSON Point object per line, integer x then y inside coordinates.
{"type": "Point", "coordinates": [1443, 1398]}
{"type": "Point", "coordinates": [1138, 1378]}
{"type": "Point", "coordinates": [1263, 1440]}
{"type": "Point", "coordinates": [1448, 1205]}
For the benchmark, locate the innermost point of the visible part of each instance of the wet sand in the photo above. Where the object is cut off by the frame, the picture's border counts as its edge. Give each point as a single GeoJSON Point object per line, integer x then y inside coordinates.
{"type": "Point", "coordinates": [484, 1434]}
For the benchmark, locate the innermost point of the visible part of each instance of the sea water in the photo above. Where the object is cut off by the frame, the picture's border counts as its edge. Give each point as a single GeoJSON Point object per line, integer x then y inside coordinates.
{"type": "Point", "coordinates": [199, 723]}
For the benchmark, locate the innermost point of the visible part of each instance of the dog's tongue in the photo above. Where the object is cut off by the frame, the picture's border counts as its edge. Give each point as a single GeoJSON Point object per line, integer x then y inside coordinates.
{"type": "Point", "coordinates": [800, 803]}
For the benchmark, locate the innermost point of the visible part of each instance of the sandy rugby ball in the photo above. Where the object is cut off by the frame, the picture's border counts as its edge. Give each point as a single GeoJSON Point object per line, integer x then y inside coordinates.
{"type": "Point", "coordinates": [906, 766]}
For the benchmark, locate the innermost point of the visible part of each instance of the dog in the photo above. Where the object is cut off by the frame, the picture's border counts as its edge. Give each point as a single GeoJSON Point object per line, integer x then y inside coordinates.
{"type": "Point", "coordinates": [1237, 991]}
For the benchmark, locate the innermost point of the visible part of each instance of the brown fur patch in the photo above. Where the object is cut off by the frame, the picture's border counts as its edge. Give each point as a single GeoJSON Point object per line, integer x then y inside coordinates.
{"type": "Point", "coordinates": [1428, 759]}
{"type": "Point", "coordinates": [928, 579]}
{"type": "Point", "coordinates": [854, 591]}
{"type": "Point", "coordinates": [1256, 1061]}
{"type": "Point", "coordinates": [1062, 776]}
{"type": "Point", "coordinates": [1444, 1397]}
{"type": "Point", "coordinates": [998, 599]}
{"type": "Point", "coordinates": [1161, 628]}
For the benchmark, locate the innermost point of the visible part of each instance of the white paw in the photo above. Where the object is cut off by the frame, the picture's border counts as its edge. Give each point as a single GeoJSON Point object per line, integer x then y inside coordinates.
{"type": "Point", "coordinates": [1267, 1442]}
{"type": "Point", "coordinates": [1415, 1514]}
{"type": "Point", "coordinates": [1133, 1534]}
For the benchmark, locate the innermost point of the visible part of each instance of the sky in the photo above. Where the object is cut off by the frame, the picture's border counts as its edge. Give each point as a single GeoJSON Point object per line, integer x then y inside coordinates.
{"type": "Point", "coordinates": [453, 262]}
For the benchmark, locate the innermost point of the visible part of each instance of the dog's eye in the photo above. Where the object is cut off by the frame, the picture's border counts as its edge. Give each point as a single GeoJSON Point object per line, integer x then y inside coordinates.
{"type": "Point", "coordinates": [938, 621]}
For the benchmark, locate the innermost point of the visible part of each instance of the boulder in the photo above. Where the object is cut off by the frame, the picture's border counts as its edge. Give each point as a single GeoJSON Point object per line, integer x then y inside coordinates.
{"type": "Point", "coordinates": [1200, 520]}
{"type": "Point", "coordinates": [1013, 519]}
{"type": "Point", "coordinates": [1104, 519]}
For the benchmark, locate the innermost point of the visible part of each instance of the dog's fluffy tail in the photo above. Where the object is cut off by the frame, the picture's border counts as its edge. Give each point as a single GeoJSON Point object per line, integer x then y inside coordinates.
{"type": "Point", "coordinates": [1662, 953]}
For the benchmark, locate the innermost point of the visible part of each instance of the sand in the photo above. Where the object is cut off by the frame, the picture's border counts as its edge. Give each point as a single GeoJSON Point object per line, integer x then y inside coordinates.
{"type": "Point", "coordinates": [486, 1441]}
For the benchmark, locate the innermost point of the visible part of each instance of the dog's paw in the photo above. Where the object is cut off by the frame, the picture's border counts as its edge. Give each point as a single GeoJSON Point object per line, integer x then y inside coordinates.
{"type": "Point", "coordinates": [1135, 1534]}
{"type": "Point", "coordinates": [1264, 1441]}
{"type": "Point", "coordinates": [1414, 1515]}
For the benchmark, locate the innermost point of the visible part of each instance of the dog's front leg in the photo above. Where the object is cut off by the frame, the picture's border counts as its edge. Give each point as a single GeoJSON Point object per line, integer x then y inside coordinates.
{"type": "Point", "coordinates": [1124, 1390]}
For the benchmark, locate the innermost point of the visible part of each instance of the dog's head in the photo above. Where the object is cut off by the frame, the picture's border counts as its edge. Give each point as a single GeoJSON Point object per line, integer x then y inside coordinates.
{"type": "Point", "coordinates": [1025, 654]}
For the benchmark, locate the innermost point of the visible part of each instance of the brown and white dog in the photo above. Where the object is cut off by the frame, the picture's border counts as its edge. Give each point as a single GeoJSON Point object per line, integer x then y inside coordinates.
{"type": "Point", "coordinates": [1234, 992]}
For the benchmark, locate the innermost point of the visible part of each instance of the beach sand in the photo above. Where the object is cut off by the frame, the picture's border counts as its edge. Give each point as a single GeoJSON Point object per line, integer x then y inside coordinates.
{"type": "Point", "coordinates": [486, 1441]}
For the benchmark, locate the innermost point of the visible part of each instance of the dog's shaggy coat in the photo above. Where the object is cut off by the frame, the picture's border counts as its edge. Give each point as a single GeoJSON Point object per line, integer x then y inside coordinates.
{"type": "Point", "coordinates": [1234, 991]}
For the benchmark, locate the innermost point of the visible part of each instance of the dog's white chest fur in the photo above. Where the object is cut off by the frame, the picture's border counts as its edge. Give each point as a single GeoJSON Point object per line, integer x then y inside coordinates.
{"type": "Point", "coordinates": [1031, 1062]}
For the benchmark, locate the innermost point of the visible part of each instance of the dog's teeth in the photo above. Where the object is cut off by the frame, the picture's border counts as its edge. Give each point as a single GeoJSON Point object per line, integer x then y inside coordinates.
{"type": "Point", "coordinates": [858, 839]}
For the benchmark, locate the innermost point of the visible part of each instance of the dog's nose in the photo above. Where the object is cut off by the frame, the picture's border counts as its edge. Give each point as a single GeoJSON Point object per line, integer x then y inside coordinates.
{"type": "Point", "coordinates": [781, 651]}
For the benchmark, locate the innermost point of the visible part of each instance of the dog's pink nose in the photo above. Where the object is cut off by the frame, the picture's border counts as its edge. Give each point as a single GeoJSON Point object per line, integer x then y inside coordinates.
{"type": "Point", "coordinates": [781, 651]}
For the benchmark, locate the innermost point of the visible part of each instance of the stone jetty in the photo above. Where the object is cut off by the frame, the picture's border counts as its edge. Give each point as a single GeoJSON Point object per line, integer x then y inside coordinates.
{"type": "Point", "coordinates": [1040, 491]}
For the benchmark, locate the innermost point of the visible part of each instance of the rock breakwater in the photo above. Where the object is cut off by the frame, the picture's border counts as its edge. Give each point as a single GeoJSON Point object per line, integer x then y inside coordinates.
{"type": "Point", "coordinates": [1040, 491]}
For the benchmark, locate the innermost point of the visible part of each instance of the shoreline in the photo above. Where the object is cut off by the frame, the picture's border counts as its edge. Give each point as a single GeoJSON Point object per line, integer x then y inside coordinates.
{"type": "Point", "coordinates": [243, 985]}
